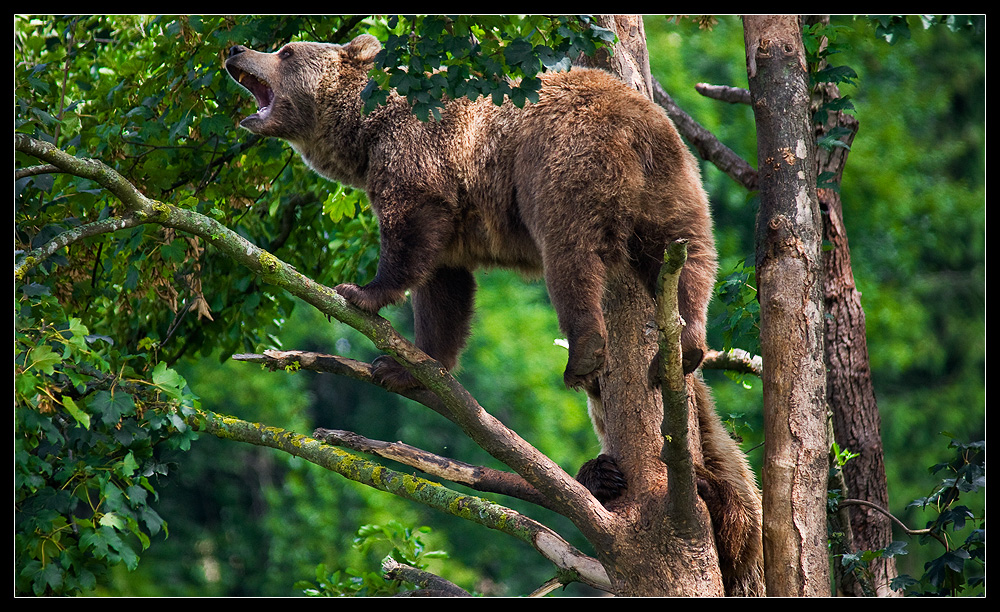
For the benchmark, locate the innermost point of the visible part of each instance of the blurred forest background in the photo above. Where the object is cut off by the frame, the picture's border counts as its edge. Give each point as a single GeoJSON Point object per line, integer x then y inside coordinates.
{"type": "Point", "coordinates": [147, 95]}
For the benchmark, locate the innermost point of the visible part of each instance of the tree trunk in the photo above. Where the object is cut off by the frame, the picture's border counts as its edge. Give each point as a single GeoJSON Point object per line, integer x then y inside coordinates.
{"type": "Point", "coordinates": [789, 276]}
{"type": "Point", "coordinates": [651, 552]}
{"type": "Point", "coordinates": [850, 393]}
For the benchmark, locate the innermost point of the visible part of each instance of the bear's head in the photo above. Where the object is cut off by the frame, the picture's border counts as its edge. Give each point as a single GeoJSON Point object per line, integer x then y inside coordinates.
{"type": "Point", "coordinates": [294, 82]}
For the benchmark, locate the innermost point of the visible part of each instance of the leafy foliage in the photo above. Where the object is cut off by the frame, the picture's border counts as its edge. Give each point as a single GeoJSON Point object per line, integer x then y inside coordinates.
{"type": "Point", "coordinates": [740, 320]}
{"type": "Point", "coordinates": [96, 404]}
{"type": "Point", "coordinates": [959, 569]}
{"type": "Point", "coordinates": [406, 547]}
{"type": "Point", "coordinates": [431, 57]}
{"type": "Point", "coordinates": [87, 448]}
{"type": "Point", "coordinates": [895, 28]}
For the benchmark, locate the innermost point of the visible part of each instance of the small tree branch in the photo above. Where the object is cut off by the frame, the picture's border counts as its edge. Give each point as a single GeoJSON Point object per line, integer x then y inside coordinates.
{"type": "Point", "coordinates": [724, 93]}
{"type": "Point", "coordinates": [480, 478]}
{"type": "Point", "coordinates": [430, 584]}
{"type": "Point", "coordinates": [21, 173]}
{"type": "Point", "coordinates": [548, 587]}
{"type": "Point", "coordinates": [907, 530]}
{"type": "Point", "coordinates": [36, 256]}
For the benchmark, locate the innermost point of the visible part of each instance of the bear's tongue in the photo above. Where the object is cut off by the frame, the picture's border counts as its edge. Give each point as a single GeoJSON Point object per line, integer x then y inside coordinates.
{"type": "Point", "coordinates": [260, 90]}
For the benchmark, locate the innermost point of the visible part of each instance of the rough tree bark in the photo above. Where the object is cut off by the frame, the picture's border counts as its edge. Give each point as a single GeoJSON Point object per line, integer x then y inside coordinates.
{"type": "Point", "coordinates": [789, 276]}
{"type": "Point", "coordinates": [850, 393]}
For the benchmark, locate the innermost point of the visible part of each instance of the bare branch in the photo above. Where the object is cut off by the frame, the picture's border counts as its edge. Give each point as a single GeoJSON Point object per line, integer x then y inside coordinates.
{"type": "Point", "coordinates": [548, 587]}
{"type": "Point", "coordinates": [724, 93]}
{"type": "Point", "coordinates": [335, 364]}
{"type": "Point", "coordinates": [480, 478]}
{"type": "Point", "coordinates": [430, 585]}
{"type": "Point", "coordinates": [707, 145]}
{"type": "Point", "coordinates": [909, 531]}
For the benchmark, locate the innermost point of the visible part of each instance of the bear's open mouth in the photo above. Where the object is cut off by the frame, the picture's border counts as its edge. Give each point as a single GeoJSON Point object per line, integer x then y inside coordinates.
{"type": "Point", "coordinates": [257, 86]}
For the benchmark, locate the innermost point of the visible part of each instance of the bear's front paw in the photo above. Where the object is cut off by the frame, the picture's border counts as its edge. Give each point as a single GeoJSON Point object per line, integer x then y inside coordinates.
{"type": "Point", "coordinates": [372, 297]}
{"type": "Point", "coordinates": [602, 478]}
{"type": "Point", "coordinates": [394, 377]}
{"type": "Point", "coordinates": [360, 297]}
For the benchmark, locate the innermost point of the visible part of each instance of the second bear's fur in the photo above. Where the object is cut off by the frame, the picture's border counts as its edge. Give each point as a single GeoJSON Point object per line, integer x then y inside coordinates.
{"type": "Point", "coordinates": [591, 178]}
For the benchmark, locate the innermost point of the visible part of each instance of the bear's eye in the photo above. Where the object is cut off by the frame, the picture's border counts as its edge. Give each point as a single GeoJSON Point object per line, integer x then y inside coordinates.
{"type": "Point", "coordinates": [285, 53]}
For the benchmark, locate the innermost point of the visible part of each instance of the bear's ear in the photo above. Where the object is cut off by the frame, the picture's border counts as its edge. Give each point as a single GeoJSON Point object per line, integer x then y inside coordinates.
{"type": "Point", "coordinates": [363, 48]}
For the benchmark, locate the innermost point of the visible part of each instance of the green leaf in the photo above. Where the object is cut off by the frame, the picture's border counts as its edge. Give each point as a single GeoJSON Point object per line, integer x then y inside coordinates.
{"type": "Point", "coordinates": [837, 74]}
{"type": "Point", "coordinates": [77, 413]}
{"type": "Point", "coordinates": [111, 519]}
{"type": "Point", "coordinates": [520, 53]}
{"type": "Point", "coordinates": [113, 405]}
{"type": "Point", "coordinates": [129, 467]}
{"type": "Point", "coordinates": [168, 380]}
{"type": "Point", "coordinates": [43, 359]}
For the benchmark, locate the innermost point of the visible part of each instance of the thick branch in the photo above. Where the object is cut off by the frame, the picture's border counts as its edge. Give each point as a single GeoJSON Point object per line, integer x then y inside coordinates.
{"type": "Point", "coordinates": [565, 493]}
{"type": "Point", "coordinates": [486, 513]}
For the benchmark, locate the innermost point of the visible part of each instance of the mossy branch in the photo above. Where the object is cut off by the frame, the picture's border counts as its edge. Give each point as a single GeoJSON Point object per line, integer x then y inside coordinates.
{"type": "Point", "coordinates": [480, 478]}
{"type": "Point", "coordinates": [476, 509]}
{"type": "Point", "coordinates": [676, 453]}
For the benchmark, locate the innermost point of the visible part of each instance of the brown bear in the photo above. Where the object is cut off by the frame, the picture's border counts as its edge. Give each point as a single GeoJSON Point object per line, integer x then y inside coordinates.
{"type": "Point", "coordinates": [590, 178]}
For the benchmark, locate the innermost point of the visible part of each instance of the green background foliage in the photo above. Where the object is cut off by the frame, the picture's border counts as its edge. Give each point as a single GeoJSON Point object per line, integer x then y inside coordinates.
{"type": "Point", "coordinates": [121, 335]}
